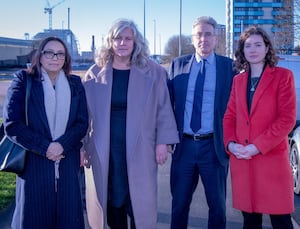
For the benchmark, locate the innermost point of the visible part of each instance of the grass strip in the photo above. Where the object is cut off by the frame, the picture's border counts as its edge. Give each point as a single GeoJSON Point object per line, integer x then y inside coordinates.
{"type": "Point", "coordinates": [7, 189]}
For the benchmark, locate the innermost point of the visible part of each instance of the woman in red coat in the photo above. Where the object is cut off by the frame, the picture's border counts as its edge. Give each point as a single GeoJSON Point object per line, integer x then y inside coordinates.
{"type": "Point", "coordinates": [261, 112]}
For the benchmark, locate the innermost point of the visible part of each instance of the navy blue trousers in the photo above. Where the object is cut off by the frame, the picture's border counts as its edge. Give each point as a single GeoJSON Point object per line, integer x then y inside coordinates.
{"type": "Point", "coordinates": [198, 158]}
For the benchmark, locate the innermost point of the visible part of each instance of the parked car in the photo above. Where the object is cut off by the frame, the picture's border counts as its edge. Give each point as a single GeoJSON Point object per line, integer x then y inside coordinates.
{"type": "Point", "coordinates": [295, 158]}
{"type": "Point", "coordinates": [293, 63]}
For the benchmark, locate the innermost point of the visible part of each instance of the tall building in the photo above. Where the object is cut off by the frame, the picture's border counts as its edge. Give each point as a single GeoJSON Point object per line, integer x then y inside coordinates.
{"type": "Point", "coordinates": [275, 16]}
{"type": "Point", "coordinates": [221, 44]}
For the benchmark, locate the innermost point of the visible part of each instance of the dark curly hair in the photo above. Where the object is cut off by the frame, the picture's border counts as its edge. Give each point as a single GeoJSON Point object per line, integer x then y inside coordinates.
{"type": "Point", "coordinates": [240, 61]}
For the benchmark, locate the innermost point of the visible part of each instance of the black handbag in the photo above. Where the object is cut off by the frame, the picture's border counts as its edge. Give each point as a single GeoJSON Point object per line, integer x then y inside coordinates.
{"type": "Point", "coordinates": [12, 155]}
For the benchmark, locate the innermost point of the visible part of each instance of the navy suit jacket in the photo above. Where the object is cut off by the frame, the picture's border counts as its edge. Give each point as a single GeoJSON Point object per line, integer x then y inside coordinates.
{"type": "Point", "coordinates": [178, 82]}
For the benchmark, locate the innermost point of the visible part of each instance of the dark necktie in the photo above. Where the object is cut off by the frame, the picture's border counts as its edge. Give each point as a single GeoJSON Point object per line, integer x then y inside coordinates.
{"type": "Point", "coordinates": [198, 95]}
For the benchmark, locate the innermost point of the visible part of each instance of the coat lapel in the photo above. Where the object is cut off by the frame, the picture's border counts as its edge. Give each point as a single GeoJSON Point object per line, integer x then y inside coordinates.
{"type": "Point", "coordinates": [181, 79]}
{"type": "Point", "coordinates": [263, 85]}
{"type": "Point", "coordinates": [139, 88]}
{"type": "Point", "coordinates": [186, 69]}
{"type": "Point", "coordinates": [38, 102]}
{"type": "Point", "coordinates": [100, 96]}
{"type": "Point", "coordinates": [242, 88]}
{"type": "Point", "coordinates": [220, 81]}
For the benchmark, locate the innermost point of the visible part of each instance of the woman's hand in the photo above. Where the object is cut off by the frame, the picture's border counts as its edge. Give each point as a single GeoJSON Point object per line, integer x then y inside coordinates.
{"type": "Point", "coordinates": [251, 150]}
{"type": "Point", "coordinates": [84, 158]}
{"type": "Point", "coordinates": [243, 152]}
{"type": "Point", "coordinates": [55, 151]}
{"type": "Point", "coordinates": [238, 150]}
{"type": "Point", "coordinates": [161, 153]}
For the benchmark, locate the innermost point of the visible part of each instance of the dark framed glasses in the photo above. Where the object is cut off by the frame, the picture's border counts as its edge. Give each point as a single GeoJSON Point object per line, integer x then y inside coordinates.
{"type": "Point", "coordinates": [50, 55]}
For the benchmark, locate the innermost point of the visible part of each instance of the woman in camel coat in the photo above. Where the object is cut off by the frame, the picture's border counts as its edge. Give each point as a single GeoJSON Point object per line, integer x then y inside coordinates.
{"type": "Point", "coordinates": [126, 179]}
{"type": "Point", "coordinates": [260, 114]}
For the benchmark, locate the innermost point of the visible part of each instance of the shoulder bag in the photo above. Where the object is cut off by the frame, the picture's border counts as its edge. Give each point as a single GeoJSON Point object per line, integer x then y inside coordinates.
{"type": "Point", "coordinates": [12, 155]}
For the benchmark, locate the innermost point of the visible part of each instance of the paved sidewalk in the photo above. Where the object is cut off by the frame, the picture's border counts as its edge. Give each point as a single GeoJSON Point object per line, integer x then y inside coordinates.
{"type": "Point", "coordinates": [198, 212]}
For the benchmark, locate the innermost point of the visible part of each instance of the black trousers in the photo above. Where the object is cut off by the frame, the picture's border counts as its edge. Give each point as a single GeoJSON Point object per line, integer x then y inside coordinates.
{"type": "Point", "coordinates": [254, 221]}
{"type": "Point", "coordinates": [117, 217]}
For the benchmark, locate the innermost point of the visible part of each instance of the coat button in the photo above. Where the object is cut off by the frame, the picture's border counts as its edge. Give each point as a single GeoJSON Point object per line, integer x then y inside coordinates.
{"type": "Point", "coordinates": [246, 141]}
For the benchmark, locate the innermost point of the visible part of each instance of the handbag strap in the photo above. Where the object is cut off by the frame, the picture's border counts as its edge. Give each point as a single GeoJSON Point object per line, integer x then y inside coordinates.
{"type": "Point", "coordinates": [28, 88]}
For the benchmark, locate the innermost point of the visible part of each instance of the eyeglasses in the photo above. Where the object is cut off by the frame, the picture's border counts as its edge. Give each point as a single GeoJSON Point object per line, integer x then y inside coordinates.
{"type": "Point", "coordinates": [205, 35]}
{"type": "Point", "coordinates": [124, 39]}
{"type": "Point", "coordinates": [50, 55]}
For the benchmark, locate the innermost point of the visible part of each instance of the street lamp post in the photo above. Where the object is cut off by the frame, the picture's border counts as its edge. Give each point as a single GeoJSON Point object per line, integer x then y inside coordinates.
{"type": "Point", "coordinates": [180, 19]}
{"type": "Point", "coordinates": [159, 43]}
{"type": "Point", "coordinates": [154, 47]}
{"type": "Point", "coordinates": [144, 20]}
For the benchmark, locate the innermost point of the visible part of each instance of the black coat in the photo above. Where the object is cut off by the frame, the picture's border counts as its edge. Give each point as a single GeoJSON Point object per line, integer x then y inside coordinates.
{"type": "Point", "coordinates": [37, 203]}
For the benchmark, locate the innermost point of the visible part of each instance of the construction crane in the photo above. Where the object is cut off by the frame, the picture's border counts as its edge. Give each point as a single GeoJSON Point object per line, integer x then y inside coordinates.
{"type": "Point", "coordinates": [49, 9]}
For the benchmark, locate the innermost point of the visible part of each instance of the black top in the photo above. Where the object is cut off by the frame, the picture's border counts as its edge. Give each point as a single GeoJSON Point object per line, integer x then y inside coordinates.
{"type": "Point", "coordinates": [118, 180]}
{"type": "Point", "coordinates": [251, 88]}
{"type": "Point", "coordinates": [252, 85]}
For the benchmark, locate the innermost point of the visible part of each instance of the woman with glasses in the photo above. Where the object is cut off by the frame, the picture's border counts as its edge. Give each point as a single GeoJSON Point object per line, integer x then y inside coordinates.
{"type": "Point", "coordinates": [131, 125]}
{"type": "Point", "coordinates": [47, 192]}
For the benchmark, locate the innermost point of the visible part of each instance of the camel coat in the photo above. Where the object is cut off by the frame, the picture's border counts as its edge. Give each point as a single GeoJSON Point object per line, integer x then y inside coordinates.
{"type": "Point", "coordinates": [150, 121]}
{"type": "Point", "coordinates": [263, 184]}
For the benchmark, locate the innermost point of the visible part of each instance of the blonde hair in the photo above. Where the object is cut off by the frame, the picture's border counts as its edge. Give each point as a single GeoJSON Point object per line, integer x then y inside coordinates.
{"type": "Point", "coordinates": [140, 54]}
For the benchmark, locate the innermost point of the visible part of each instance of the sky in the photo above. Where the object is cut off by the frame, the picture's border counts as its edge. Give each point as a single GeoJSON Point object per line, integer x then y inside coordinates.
{"type": "Point", "coordinates": [94, 17]}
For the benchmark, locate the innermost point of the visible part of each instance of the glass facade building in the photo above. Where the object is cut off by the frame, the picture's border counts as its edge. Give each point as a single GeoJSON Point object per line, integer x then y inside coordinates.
{"type": "Point", "coordinates": [275, 16]}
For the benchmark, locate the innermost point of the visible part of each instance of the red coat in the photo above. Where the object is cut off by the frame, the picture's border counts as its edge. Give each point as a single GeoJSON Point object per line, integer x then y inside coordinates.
{"type": "Point", "coordinates": [263, 184]}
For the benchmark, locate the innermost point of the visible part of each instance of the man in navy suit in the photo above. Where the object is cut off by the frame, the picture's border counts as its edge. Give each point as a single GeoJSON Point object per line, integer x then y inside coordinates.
{"type": "Point", "coordinates": [199, 107]}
